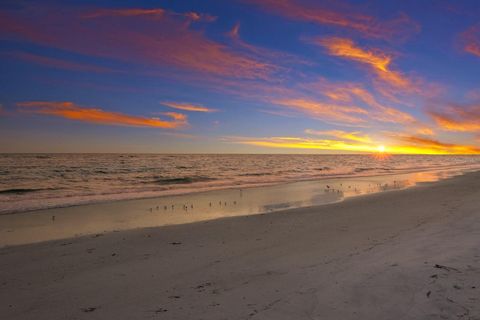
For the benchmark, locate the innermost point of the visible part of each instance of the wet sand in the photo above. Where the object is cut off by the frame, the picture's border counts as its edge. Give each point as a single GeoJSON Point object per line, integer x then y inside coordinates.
{"type": "Point", "coordinates": [408, 254]}
{"type": "Point", "coordinates": [103, 217]}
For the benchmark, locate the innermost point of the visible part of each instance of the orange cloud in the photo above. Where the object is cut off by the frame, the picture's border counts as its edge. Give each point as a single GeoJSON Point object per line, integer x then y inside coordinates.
{"type": "Point", "coordinates": [405, 145]}
{"type": "Point", "coordinates": [351, 92]}
{"type": "Point", "coordinates": [378, 61]}
{"type": "Point", "coordinates": [188, 107]}
{"type": "Point", "coordinates": [352, 136]}
{"type": "Point", "coordinates": [325, 111]}
{"type": "Point", "coordinates": [69, 110]}
{"type": "Point", "coordinates": [347, 18]}
{"type": "Point", "coordinates": [424, 145]}
{"type": "Point", "coordinates": [138, 37]}
{"type": "Point", "coordinates": [304, 143]}
{"type": "Point", "coordinates": [457, 118]}
{"type": "Point", "coordinates": [57, 63]}
{"type": "Point", "coordinates": [471, 40]}
{"type": "Point", "coordinates": [425, 131]}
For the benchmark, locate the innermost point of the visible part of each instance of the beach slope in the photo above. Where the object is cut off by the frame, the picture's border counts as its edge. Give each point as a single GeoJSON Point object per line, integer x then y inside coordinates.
{"type": "Point", "coordinates": [410, 254]}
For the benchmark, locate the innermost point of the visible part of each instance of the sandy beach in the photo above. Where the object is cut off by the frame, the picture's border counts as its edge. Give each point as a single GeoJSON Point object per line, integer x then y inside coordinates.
{"type": "Point", "coordinates": [408, 254]}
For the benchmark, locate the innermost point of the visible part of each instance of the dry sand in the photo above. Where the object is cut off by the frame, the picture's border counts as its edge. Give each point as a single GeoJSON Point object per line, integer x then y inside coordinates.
{"type": "Point", "coordinates": [410, 254]}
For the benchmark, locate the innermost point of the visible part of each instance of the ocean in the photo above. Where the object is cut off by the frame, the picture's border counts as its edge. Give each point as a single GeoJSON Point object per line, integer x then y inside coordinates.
{"type": "Point", "coordinates": [39, 181]}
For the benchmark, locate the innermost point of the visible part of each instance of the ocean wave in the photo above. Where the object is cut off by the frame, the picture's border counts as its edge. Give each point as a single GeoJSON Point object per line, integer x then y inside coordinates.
{"type": "Point", "coordinates": [21, 190]}
{"type": "Point", "coordinates": [183, 180]}
{"type": "Point", "coordinates": [256, 174]}
{"type": "Point", "coordinates": [26, 179]}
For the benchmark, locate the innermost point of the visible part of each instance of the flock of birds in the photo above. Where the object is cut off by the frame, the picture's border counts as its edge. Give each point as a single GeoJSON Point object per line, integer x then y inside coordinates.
{"type": "Point", "coordinates": [328, 189]}
{"type": "Point", "coordinates": [186, 206]}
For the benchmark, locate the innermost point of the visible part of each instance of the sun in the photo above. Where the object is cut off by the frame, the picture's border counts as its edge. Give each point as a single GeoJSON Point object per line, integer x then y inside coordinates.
{"type": "Point", "coordinates": [381, 149]}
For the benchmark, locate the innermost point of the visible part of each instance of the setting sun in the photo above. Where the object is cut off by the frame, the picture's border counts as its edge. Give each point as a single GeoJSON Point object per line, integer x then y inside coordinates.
{"type": "Point", "coordinates": [381, 148]}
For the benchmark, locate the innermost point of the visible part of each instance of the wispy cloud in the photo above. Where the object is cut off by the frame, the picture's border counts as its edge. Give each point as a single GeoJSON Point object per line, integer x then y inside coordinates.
{"type": "Point", "coordinates": [187, 106]}
{"type": "Point", "coordinates": [457, 118]}
{"type": "Point", "coordinates": [404, 144]}
{"type": "Point", "coordinates": [57, 63]}
{"type": "Point", "coordinates": [70, 110]}
{"type": "Point", "coordinates": [471, 40]}
{"type": "Point", "coordinates": [325, 111]}
{"type": "Point", "coordinates": [379, 62]}
{"type": "Point", "coordinates": [343, 17]}
{"type": "Point", "coordinates": [417, 144]}
{"type": "Point", "coordinates": [153, 12]}
{"type": "Point", "coordinates": [125, 12]}
{"type": "Point", "coordinates": [352, 92]}
{"type": "Point", "coordinates": [303, 143]}
{"type": "Point", "coordinates": [142, 37]}
{"type": "Point", "coordinates": [352, 136]}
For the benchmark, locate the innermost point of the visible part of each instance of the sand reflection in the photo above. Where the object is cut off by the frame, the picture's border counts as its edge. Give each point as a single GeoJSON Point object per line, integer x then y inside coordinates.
{"type": "Point", "coordinates": [62, 223]}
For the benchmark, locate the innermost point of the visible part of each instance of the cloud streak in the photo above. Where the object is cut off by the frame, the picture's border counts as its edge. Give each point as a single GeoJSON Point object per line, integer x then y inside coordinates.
{"type": "Point", "coordinates": [159, 12]}
{"type": "Point", "coordinates": [378, 61]}
{"type": "Point", "coordinates": [471, 40]}
{"type": "Point", "coordinates": [71, 111]}
{"type": "Point", "coordinates": [304, 143]}
{"type": "Point", "coordinates": [57, 63]}
{"type": "Point", "coordinates": [458, 118]}
{"type": "Point", "coordinates": [352, 136]}
{"type": "Point", "coordinates": [352, 92]}
{"type": "Point", "coordinates": [404, 144]}
{"type": "Point", "coordinates": [142, 37]}
{"type": "Point", "coordinates": [325, 111]}
{"type": "Point", "coordinates": [430, 146]}
{"type": "Point", "coordinates": [188, 107]}
{"type": "Point", "coordinates": [346, 18]}
{"type": "Point", "coordinates": [153, 12]}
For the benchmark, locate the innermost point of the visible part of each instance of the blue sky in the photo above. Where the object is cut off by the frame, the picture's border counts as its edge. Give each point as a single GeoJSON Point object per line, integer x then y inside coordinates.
{"type": "Point", "coordinates": [244, 76]}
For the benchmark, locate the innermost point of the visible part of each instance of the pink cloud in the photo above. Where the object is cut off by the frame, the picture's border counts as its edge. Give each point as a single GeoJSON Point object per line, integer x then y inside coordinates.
{"type": "Point", "coordinates": [139, 36]}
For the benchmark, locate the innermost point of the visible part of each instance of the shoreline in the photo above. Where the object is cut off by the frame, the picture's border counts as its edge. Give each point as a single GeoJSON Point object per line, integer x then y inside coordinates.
{"type": "Point", "coordinates": [115, 197]}
{"type": "Point", "coordinates": [74, 221]}
{"type": "Point", "coordinates": [367, 257]}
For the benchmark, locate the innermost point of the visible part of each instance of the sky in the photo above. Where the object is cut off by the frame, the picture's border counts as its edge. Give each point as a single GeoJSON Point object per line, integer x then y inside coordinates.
{"type": "Point", "coordinates": [240, 76]}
